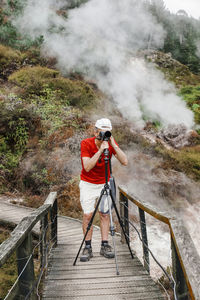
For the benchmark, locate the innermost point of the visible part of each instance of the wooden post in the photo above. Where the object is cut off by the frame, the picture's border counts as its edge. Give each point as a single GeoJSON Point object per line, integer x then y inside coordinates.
{"type": "Point", "coordinates": [41, 244]}
{"type": "Point", "coordinates": [48, 232]}
{"type": "Point", "coordinates": [144, 240]}
{"type": "Point", "coordinates": [43, 238]}
{"type": "Point", "coordinates": [26, 280]}
{"type": "Point", "coordinates": [44, 234]}
{"type": "Point", "coordinates": [181, 287]}
{"type": "Point", "coordinates": [124, 216]}
{"type": "Point", "coordinates": [54, 225]}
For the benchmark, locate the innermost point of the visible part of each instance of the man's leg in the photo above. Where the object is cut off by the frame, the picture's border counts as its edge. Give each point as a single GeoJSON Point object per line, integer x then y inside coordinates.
{"type": "Point", "coordinates": [87, 199]}
{"type": "Point", "coordinates": [86, 220]}
{"type": "Point", "coordinates": [106, 249]}
{"type": "Point", "coordinates": [104, 225]}
{"type": "Point", "coordinates": [87, 251]}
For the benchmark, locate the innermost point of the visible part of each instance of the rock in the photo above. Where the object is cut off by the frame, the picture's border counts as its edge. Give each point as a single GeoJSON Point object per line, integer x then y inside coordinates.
{"type": "Point", "coordinates": [177, 136]}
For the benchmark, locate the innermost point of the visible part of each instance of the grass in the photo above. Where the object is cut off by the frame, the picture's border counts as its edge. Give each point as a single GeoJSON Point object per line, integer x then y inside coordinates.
{"type": "Point", "coordinates": [191, 94]}
{"type": "Point", "coordinates": [8, 272]}
{"type": "Point", "coordinates": [186, 160]}
{"type": "Point", "coordinates": [40, 80]}
{"type": "Point", "coordinates": [9, 60]}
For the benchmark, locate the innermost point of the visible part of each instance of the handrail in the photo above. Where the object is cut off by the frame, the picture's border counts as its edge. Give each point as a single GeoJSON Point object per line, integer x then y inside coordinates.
{"type": "Point", "coordinates": [185, 259]}
{"type": "Point", "coordinates": [19, 234]}
{"type": "Point", "coordinates": [21, 242]}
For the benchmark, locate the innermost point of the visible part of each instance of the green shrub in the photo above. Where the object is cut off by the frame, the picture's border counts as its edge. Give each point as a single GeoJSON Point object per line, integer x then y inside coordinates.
{"type": "Point", "coordinates": [16, 123]}
{"type": "Point", "coordinates": [75, 92]}
{"type": "Point", "coordinates": [9, 34]}
{"type": "Point", "coordinates": [186, 160]}
{"type": "Point", "coordinates": [34, 80]}
{"type": "Point", "coordinates": [8, 272]}
{"type": "Point", "coordinates": [10, 60]}
{"type": "Point", "coordinates": [191, 95]}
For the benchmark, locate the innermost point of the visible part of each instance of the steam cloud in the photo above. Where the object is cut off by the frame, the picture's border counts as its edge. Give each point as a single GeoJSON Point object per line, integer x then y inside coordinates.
{"type": "Point", "coordinates": [100, 39]}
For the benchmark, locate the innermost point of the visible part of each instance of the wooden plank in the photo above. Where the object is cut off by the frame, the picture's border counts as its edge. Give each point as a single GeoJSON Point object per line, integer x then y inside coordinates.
{"type": "Point", "coordinates": [102, 280]}
{"type": "Point", "coordinates": [86, 268]}
{"type": "Point", "coordinates": [89, 273]}
{"type": "Point", "coordinates": [70, 285]}
{"type": "Point", "coordinates": [97, 256]}
{"type": "Point", "coordinates": [94, 263]}
{"type": "Point", "coordinates": [102, 264]}
{"type": "Point", "coordinates": [146, 296]}
{"type": "Point", "coordinates": [74, 275]}
{"type": "Point", "coordinates": [103, 291]}
{"type": "Point", "coordinates": [51, 198]}
{"type": "Point", "coordinates": [95, 249]}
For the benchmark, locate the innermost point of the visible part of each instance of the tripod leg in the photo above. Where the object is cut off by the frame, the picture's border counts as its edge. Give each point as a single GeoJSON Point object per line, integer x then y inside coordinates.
{"type": "Point", "coordinates": [89, 225]}
{"type": "Point", "coordinates": [112, 234]}
{"type": "Point", "coordinates": [121, 224]}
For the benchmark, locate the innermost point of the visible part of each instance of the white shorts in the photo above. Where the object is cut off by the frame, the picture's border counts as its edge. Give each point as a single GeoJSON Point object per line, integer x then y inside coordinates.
{"type": "Point", "coordinates": [89, 194]}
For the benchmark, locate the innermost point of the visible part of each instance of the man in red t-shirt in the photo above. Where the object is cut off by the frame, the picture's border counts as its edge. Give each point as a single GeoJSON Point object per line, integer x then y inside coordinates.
{"type": "Point", "coordinates": [92, 182]}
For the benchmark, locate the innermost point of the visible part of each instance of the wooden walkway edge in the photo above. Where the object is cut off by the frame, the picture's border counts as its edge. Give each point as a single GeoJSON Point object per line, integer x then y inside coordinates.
{"type": "Point", "coordinates": [95, 279]}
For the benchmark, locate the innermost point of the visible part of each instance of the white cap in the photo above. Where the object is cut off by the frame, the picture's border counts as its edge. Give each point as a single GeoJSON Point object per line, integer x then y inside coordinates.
{"type": "Point", "coordinates": [104, 124]}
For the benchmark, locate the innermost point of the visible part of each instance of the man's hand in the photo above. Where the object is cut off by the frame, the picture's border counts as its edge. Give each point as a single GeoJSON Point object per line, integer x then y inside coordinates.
{"type": "Point", "coordinates": [89, 163]}
{"type": "Point", "coordinates": [112, 141]}
{"type": "Point", "coordinates": [120, 155]}
{"type": "Point", "coordinates": [103, 146]}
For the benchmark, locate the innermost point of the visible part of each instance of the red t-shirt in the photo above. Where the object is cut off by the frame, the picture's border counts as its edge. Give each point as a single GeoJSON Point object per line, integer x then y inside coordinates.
{"type": "Point", "coordinates": [97, 173]}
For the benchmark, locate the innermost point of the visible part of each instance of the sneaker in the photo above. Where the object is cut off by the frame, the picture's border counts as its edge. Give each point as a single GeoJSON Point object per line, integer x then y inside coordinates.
{"type": "Point", "coordinates": [86, 254]}
{"type": "Point", "coordinates": [107, 251]}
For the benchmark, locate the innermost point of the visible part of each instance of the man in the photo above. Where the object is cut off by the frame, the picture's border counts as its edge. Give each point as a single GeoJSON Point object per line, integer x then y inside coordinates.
{"type": "Point", "coordinates": [92, 182]}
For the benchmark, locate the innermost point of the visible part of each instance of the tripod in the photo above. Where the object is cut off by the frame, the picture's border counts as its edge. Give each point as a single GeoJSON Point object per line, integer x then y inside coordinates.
{"type": "Point", "coordinates": [108, 192]}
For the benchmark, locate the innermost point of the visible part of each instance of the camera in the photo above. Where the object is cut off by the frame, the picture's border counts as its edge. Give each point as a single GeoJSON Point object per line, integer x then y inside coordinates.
{"type": "Point", "coordinates": [105, 135]}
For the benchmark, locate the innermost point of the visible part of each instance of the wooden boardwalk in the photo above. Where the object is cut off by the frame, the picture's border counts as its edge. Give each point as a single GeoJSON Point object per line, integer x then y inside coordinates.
{"type": "Point", "coordinates": [95, 279]}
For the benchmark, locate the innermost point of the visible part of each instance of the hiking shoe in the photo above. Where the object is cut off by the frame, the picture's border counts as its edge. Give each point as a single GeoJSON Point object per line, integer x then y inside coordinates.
{"type": "Point", "coordinates": [107, 251]}
{"type": "Point", "coordinates": [86, 254]}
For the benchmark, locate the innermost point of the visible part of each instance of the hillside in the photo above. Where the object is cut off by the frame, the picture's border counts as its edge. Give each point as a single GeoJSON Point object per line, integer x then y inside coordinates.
{"type": "Point", "coordinates": [44, 116]}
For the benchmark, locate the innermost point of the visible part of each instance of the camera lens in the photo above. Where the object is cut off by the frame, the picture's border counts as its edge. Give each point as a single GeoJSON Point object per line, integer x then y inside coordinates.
{"type": "Point", "coordinates": [107, 134]}
{"type": "Point", "coordinates": [104, 135]}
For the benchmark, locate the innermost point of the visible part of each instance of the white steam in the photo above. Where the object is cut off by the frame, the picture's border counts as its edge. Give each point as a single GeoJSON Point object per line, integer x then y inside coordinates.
{"type": "Point", "coordinates": [99, 39]}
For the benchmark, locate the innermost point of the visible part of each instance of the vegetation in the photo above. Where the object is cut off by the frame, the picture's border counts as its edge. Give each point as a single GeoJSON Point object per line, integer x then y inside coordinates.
{"type": "Point", "coordinates": [8, 33]}
{"type": "Point", "coordinates": [182, 34]}
{"type": "Point", "coordinates": [12, 60]}
{"type": "Point", "coordinates": [186, 160]}
{"type": "Point", "coordinates": [8, 273]}
{"type": "Point", "coordinates": [16, 124]}
{"type": "Point", "coordinates": [48, 83]}
{"type": "Point", "coordinates": [9, 61]}
{"type": "Point", "coordinates": [174, 71]}
{"type": "Point", "coordinates": [181, 39]}
{"type": "Point", "coordinates": [191, 95]}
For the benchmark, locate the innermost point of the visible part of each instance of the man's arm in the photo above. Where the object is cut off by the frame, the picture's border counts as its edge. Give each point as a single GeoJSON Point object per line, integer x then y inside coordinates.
{"type": "Point", "coordinates": [120, 155]}
{"type": "Point", "coordinates": [90, 162]}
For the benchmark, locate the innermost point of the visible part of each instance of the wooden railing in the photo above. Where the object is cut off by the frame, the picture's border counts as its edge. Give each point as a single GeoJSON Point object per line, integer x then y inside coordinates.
{"type": "Point", "coordinates": [21, 242]}
{"type": "Point", "coordinates": [185, 259]}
